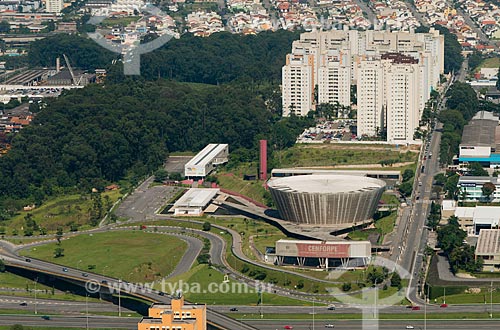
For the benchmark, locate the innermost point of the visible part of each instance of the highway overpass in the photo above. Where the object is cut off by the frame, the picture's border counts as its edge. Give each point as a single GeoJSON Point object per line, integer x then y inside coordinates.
{"type": "Point", "coordinates": [107, 285]}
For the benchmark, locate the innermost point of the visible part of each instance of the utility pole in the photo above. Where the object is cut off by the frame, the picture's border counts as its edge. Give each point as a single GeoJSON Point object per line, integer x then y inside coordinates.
{"type": "Point", "coordinates": [87, 310]}
{"type": "Point", "coordinates": [313, 313]}
{"type": "Point", "coordinates": [36, 312]}
{"type": "Point", "coordinates": [425, 308]}
{"type": "Point", "coordinates": [491, 299]}
{"type": "Point", "coordinates": [261, 303]}
{"type": "Point", "coordinates": [119, 298]}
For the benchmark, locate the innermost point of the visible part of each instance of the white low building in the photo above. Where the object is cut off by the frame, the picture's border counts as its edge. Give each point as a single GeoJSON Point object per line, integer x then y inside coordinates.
{"type": "Point", "coordinates": [475, 219]}
{"type": "Point", "coordinates": [488, 248]}
{"type": "Point", "coordinates": [194, 201]}
{"type": "Point", "coordinates": [206, 160]}
{"type": "Point", "coordinates": [470, 188]}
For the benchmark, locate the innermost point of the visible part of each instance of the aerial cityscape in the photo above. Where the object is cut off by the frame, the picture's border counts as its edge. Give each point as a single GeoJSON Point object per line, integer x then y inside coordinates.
{"type": "Point", "coordinates": [237, 164]}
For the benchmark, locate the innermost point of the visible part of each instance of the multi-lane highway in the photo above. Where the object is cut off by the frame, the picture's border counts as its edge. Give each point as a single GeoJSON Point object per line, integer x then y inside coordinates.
{"type": "Point", "coordinates": [264, 324]}
{"type": "Point", "coordinates": [104, 284]}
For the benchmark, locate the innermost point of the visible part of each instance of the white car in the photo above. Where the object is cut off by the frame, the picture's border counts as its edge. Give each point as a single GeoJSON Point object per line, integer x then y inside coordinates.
{"type": "Point", "coordinates": [329, 325]}
{"type": "Point", "coordinates": [410, 327]}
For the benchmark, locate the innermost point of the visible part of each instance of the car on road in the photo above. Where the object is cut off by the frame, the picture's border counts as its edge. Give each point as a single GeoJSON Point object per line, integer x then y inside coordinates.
{"type": "Point", "coordinates": [233, 309]}
{"type": "Point", "coordinates": [65, 269]}
{"type": "Point", "coordinates": [161, 293]}
{"type": "Point", "coordinates": [287, 327]}
{"type": "Point", "coordinates": [23, 304]}
{"type": "Point", "coordinates": [85, 275]}
{"type": "Point", "coordinates": [443, 305]}
{"type": "Point", "coordinates": [28, 260]}
{"type": "Point", "coordinates": [329, 325]}
{"type": "Point", "coordinates": [415, 308]}
{"type": "Point", "coordinates": [410, 327]}
{"type": "Point", "coordinates": [46, 317]}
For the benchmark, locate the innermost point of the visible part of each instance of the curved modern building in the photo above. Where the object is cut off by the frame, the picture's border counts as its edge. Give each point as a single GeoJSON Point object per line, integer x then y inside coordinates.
{"type": "Point", "coordinates": [328, 200]}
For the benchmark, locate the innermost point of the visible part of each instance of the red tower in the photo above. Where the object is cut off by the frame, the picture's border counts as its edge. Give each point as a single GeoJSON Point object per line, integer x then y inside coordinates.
{"type": "Point", "coordinates": [263, 160]}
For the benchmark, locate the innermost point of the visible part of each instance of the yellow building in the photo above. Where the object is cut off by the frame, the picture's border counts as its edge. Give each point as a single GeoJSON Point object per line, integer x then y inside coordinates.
{"type": "Point", "coordinates": [175, 316]}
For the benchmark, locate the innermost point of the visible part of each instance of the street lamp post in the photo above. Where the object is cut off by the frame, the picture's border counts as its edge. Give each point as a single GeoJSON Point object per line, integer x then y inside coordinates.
{"type": "Point", "coordinates": [313, 314]}
{"type": "Point", "coordinates": [87, 310]}
{"type": "Point", "coordinates": [119, 298]}
{"type": "Point", "coordinates": [36, 312]}
{"type": "Point", "coordinates": [491, 299]}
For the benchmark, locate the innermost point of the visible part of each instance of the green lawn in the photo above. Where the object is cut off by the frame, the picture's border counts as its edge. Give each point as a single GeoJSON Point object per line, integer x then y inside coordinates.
{"type": "Point", "coordinates": [263, 241]}
{"type": "Point", "coordinates": [251, 227]}
{"type": "Point", "coordinates": [493, 62]}
{"type": "Point", "coordinates": [212, 291]}
{"type": "Point", "coordinates": [383, 226]}
{"type": "Point", "coordinates": [470, 298]}
{"type": "Point", "coordinates": [235, 182]}
{"type": "Point", "coordinates": [121, 21]}
{"type": "Point", "coordinates": [389, 199]}
{"type": "Point", "coordinates": [340, 154]}
{"type": "Point", "coordinates": [133, 256]}
{"type": "Point", "coordinates": [61, 211]}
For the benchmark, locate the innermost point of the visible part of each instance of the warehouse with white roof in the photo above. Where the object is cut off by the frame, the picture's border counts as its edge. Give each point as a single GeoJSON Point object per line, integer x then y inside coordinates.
{"type": "Point", "coordinates": [206, 160]}
{"type": "Point", "coordinates": [194, 201]}
{"type": "Point", "coordinates": [474, 219]}
{"type": "Point", "coordinates": [488, 248]}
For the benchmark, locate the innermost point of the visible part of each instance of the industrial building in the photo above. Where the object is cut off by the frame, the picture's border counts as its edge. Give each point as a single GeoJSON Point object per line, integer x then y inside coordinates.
{"type": "Point", "coordinates": [475, 219]}
{"type": "Point", "coordinates": [65, 78]}
{"type": "Point", "coordinates": [326, 200]}
{"type": "Point", "coordinates": [194, 202]}
{"type": "Point", "coordinates": [175, 316]}
{"type": "Point", "coordinates": [481, 140]}
{"type": "Point", "coordinates": [325, 254]}
{"type": "Point", "coordinates": [470, 188]}
{"type": "Point", "coordinates": [488, 248]}
{"type": "Point", "coordinates": [206, 160]}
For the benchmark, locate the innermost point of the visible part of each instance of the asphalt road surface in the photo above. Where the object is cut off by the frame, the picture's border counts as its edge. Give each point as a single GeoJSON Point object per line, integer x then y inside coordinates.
{"type": "Point", "coordinates": [131, 323]}
{"type": "Point", "coordinates": [70, 321]}
{"type": "Point", "coordinates": [384, 324]}
{"type": "Point", "coordinates": [49, 305]}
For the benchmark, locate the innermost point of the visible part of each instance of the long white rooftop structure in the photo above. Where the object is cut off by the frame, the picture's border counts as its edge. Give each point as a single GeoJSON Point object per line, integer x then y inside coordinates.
{"type": "Point", "coordinates": [206, 160]}
{"type": "Point", "coordinates": [194, 201]}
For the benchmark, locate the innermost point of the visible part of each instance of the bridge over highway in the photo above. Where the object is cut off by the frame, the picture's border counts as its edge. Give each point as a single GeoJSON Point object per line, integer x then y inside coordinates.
{"type": "Point", "coordinates": [109, 285]}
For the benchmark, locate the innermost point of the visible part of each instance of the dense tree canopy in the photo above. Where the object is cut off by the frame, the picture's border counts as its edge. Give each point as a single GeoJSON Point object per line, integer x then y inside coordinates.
{"type": "Point", "coordinates": [104, 133]}
{"type": "Point", "coordinates": [452, 49]}
{"type": "Point", "coordinates": [463, 104]}
{"type": "Point", "coordinates": [83, 52]}
{"type": "Point", "coordinates": [221, 58]}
